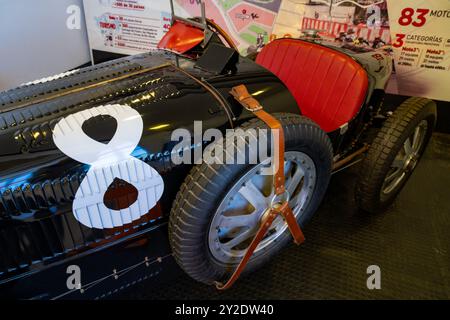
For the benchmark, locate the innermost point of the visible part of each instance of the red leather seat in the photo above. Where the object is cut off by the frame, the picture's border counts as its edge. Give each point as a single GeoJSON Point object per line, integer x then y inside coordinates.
{"type": "Point", "coordinates": [329, 86]}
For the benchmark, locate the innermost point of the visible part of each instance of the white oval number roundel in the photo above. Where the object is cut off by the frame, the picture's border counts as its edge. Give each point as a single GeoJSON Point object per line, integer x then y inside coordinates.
{"type": "Point", "coordinates": [108, 161]}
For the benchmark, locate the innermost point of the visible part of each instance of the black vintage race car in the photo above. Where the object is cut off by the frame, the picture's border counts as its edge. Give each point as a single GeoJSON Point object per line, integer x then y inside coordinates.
{"type": "Point", "coordinates": [93, 200]}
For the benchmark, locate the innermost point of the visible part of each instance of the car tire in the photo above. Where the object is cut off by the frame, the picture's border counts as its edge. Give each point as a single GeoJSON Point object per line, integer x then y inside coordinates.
{"type": "Point", "coordinates": [382, 173]}
{"type": "Point", "coordinates": [208, 186]}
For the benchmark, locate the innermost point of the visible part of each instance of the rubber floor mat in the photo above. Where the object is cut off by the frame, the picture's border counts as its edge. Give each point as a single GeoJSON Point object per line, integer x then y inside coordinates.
{"type": "Point", "coordinates": [410, 243]}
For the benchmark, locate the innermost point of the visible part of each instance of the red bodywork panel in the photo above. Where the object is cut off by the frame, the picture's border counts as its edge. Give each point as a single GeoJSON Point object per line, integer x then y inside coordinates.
{"type": "Point", "coordinates": [329, 86]}
{"type": "Point", "coordinates": [181, 37]}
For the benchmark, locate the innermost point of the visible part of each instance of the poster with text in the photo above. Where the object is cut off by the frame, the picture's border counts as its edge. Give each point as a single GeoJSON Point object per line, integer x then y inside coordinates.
{"type": "Point", "coordinates": [126, 26]}
{"type": "Point", "coordinates": [421, 41]}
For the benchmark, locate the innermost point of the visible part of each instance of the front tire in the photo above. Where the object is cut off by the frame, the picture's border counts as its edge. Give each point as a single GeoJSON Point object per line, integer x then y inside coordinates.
{"type": "Point", "coordinates": [219, 203]}
{"type": "Point", "coordinates": [394, 154]}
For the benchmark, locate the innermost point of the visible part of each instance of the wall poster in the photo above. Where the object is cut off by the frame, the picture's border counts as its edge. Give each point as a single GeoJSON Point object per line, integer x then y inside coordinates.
{"type": "Point", "coordinates": [421, 42]}
{"type": "Point", "coordinates": [416, 30]}
{"type": "Point", "coordinates": [126, 26]}
{"type": "Point", "coordinates": [364, 22]}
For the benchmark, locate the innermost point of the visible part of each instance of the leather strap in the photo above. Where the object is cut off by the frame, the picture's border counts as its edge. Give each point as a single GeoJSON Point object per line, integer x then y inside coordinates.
{"type": "Point", "coordinates": [292, 223]}
{"type": "Point", "coordinates": [240, 93]}
{"type": "Point", "coordinates": [265, 225]}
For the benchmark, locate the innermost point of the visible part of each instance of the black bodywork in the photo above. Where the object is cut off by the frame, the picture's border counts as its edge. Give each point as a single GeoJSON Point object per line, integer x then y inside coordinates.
{"type": "Point", "coordinates": [39, 236]}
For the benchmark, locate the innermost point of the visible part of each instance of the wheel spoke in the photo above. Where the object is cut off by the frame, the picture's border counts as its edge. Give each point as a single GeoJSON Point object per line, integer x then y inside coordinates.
{"type": "Point", "coordinates": [398, 162]}
{"type": "Point", "coordinates": [408, 147]}
{"type": "Point", "coordinates": [416, 139]}
{"type": "Point", "coordinates": [393, 176]}
{"type": "Point", "coordinates": [253, 195]}
{"type": "Point", "coordinates": [287, 167]}
{"type": "Point", "coordinates": [241, 237]}
{"type": "Point", "coordinates": [293, 183]}
{"type": "Point", "coordinates": [294, 201]}
{"type": "Point", "coordinates": [238, 221]}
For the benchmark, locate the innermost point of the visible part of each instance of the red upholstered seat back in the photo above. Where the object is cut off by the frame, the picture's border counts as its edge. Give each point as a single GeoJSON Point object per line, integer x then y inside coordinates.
{"type": "Point", "coordinates": [329, 86]}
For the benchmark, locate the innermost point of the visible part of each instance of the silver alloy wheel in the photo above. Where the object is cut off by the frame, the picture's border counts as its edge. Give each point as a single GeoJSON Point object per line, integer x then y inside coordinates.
{"type": "Point", "coordinates": [238, 216]}
{"type": "Point", "coordinates": [406, 160]}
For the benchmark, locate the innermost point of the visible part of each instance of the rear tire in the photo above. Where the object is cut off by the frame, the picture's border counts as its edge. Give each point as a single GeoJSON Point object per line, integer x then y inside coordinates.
{"type": "Point", "coordinates": [394, 154]}
{"type": "Point", "coordinates": [202, 202]}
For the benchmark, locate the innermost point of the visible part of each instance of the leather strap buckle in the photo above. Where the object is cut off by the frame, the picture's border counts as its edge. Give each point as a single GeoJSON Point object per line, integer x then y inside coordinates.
{"type": "Point", "coordinates": [240, 93]}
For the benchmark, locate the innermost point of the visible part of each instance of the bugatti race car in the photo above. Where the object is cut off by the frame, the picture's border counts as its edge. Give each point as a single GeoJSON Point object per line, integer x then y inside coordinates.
{"type": "Point", "coordinates": [103, 180]}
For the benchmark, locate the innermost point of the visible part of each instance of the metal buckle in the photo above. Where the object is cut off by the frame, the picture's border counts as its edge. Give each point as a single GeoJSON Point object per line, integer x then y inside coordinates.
{"type": "Point", "coordinates": [246, 105]}
{"type": "Point", "coordinates": [279, 199]}
{"type": "Point", "coordinates": [254, 109]}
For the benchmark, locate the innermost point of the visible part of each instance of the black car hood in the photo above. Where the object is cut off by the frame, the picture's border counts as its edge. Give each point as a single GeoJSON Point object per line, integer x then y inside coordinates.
{"type": "Point", "coordinates": [165, 96]}
{"type": "Point", "coordinates": [167, 91]}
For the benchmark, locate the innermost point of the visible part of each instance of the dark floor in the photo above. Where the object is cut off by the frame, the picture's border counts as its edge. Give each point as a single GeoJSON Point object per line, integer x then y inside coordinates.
{"type": "Point", "coordinates": [410, 242]}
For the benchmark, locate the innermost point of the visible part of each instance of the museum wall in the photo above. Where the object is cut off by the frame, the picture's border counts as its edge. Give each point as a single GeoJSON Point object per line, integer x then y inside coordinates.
{"type": "Point", "coordinates": [40, 40]}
